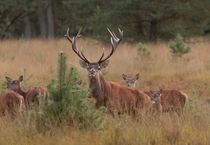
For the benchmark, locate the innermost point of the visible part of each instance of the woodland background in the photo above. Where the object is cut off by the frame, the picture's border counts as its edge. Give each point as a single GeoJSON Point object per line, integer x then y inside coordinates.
{"type": "Point", "coordinates": [147, 20]}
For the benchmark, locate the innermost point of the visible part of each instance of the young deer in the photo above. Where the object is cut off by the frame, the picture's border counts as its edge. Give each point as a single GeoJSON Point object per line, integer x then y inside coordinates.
{"type": "Point", "coordinates": [31, 95]}
{"type": "Point", "coordinates": [171, 100]}
{"type": "Point", "coordinates": [11, 103]}
{"type": "Point", "coordinates": [130, 81]}
{"type": "Point", "coordinates": [156, 101]}
{"type": "Point", "coordinates": [117, 98]}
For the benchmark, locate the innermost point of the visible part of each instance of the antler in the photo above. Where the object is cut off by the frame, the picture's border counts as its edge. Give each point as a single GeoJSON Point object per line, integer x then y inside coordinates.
{"type": "Point", "coordinates": [114, 42]}
{"type": "Point", "coordinates": [74, 46]}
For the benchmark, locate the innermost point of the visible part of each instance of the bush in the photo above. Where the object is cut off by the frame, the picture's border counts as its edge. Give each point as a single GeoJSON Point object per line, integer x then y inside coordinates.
{"type": "Point", "coordinates": [70, 105]}
{"type": "Point", "coordinates": [178, 46]}
{"type": "Point", "coordinates": [142, 50]}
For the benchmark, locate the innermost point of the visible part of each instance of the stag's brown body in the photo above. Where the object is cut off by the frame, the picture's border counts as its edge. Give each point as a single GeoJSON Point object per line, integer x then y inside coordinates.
{"type": "Point", "coordinates": [11, 103]}
{"type": "Point", "coordinates": [117, 98]}
{"type": "Point", "coordinates": [172, 100]}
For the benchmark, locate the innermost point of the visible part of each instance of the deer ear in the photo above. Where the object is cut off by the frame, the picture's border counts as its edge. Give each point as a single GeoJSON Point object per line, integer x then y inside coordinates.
{"type": "Point", "coordinates": [104, 64]}
{"type": "Point", "coordinates": [137, 76]}
{"type": "Point", "coordinates": [21, 78]}
{"type": "Point", "coordinates": [8, 78]}
{"type": "Point", "coordinates": [83, 63]}
{"type": "Point", "coordinates": [124, 76]}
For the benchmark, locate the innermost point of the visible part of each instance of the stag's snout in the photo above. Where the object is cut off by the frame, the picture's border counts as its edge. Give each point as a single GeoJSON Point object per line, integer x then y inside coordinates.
{"type": "Point", "coordinates": [92, 72]}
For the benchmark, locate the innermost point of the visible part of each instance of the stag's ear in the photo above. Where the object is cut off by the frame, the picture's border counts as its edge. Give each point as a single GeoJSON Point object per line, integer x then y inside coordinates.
{"type": "Point", "coordinates": [20, 78]}
{"type": "Point", "coordinates": [137, 76]}
{"type": "Point", "coordinates": [8, 78]}
{"type": "Point", "coordinates": [124, 76]}
{"type": "Point", "coordinates": [104, 64]}
{"type": "Point", "coordinates": [83, 63]}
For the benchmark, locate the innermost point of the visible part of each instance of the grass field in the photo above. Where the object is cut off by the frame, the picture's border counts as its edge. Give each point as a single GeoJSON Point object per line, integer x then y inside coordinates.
{"type": "Point", "coordinates": [37, 61]}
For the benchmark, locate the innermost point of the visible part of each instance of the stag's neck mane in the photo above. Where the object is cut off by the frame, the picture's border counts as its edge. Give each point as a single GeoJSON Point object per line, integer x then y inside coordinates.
{"type": "Point", "coordinates": [99, 88]}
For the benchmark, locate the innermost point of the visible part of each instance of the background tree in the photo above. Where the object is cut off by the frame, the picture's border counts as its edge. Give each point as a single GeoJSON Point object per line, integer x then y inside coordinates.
{"type": "Point", "coordinates": [148, 20]}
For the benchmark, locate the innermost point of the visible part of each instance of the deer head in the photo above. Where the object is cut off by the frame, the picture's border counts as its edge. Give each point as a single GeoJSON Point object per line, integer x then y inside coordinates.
{"type": "Point", "coordinates": [131, 82]}
{"type": "Point", "coordinates": [14, 84]}
{"type": "Point", "coordinates": [156, 96]}
{"type": "Point", "coordinates": [94, 67]}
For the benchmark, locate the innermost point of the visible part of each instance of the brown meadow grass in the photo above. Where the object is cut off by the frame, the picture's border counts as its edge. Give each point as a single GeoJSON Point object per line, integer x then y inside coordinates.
{"type": "Point", "coordinates": [37, 61]}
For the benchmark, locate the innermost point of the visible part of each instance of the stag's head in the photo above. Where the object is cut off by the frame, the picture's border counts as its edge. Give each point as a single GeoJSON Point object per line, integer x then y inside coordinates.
{"type": "Point", "coordinates": [131, 81]}
{"type": "Point", "coordinates": [156, 96]}
{"type": "Point", "coordinates": [14, 84]}
{"type": "Point", "coordinates": [94, 67]}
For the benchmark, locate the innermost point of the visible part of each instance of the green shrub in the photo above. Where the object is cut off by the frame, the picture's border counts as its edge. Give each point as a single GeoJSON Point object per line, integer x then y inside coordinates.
{"type": "Point", "coordinates": [178, 46]}
{"type": "Point", "coordinates": [142, 50]}
{"type": "Point", "coordinates": [69, 105]}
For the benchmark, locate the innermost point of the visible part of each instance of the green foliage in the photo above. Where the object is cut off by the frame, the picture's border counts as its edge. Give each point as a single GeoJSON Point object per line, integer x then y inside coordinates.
{"type": "Point", "coordinates": [178, 46]}
{"type": "Point", "coordinates": [142, 50]}
{"type": "Point", "coordinates": [148, 20]}
{"type": "Point", "coordinates": [70, 104]}
{"type": "Point", "coordinates": [12, 13]}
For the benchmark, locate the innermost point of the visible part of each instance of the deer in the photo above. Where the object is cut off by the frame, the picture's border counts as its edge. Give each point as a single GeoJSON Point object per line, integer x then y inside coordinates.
{"type": "Point", "coordinates": [116, 98]}
{"type": "Point", "coordinates": [31, 95]}
{"type": "Point", "coordinates": [155, 96]}
{"type": "Point", "coordinates": [130, 81]}
{"type": "Point", "coordinates": [11, 103]}
{"type": "Point", "coordinates": [170, 100]}
{"type": "Point", "coordinates": [156, 101]}
{"type": "Point", "coordinates": [162, 100]}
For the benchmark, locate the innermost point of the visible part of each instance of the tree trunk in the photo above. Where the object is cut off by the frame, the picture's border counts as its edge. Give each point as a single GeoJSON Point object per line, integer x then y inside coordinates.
{"type": "Point", "coordinates": [153, 30]}
{"type": "Point", "coordinates": [50, 20]}
{"type": "Point", "coordinates": [42, 22]}
{"type": "Point", "coordinates": [27, 29]}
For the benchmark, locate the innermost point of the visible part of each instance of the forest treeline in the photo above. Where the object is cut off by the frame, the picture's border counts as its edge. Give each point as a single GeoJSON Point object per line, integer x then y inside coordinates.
{"type": "Point", "coordinates": [140, 19]}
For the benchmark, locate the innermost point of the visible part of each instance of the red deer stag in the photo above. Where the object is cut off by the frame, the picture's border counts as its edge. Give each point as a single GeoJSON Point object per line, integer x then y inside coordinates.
{"type": "Point", "coordinates": [117, 98]}
{"type": "Point", "coordinates": [31, 95]}
{"type": "Point", "coordinates": [170, 100]}
{"type": "Point", "coordinates": [130, 81]}
{"type": "Point", "coordinates": [11, 103]}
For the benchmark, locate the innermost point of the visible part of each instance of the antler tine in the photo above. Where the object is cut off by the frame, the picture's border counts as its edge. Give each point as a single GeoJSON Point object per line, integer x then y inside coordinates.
{"type": "Point", "coordinates": [121, 33]}
{"type": "Point", "coordinates": [84, 57]}
{"type": "Point", "coordinates": [115, 37]}
{"type": "Point", "coordinates": [74, 46]}
{"type": "Point", "coordinates": [76, 50]}
{"type": "Point", "coordinates": [78, 34]}
{"type": "Point", "coordinates": [114, 42]}
{"type": "Point", "coordinates": [67, 35]}
{"type": "Point", "coordinates": [101, 55]}
{"type": "Point", "coordinates": [110, 32]}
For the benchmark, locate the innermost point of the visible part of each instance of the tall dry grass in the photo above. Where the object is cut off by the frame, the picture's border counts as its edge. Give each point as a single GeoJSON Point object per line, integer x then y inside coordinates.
{"type": "Point", "coordinates": [38, 59]}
